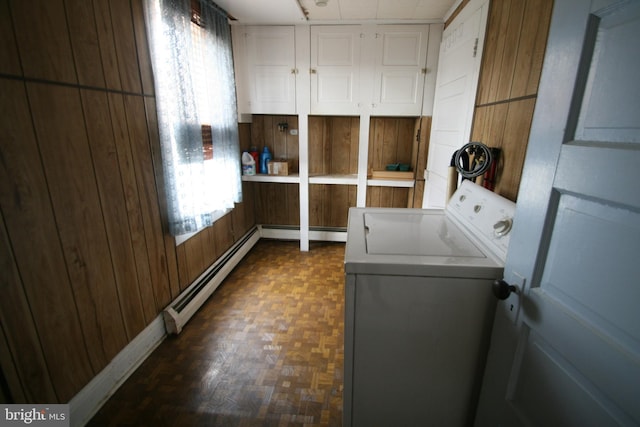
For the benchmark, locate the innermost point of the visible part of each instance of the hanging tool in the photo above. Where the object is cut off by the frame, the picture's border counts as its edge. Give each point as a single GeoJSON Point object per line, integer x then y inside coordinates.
{"type": "Point", "coordinates": [477, 161]}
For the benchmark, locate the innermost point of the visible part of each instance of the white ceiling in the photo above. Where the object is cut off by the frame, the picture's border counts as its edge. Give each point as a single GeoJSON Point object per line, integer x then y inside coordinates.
{"type": "Point", "coordinates": [291, 11]}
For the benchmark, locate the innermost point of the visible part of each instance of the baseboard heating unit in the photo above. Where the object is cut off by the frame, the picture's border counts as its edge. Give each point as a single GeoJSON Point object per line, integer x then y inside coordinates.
{"type": "Point", "coordinates": [189, 301]}
{"type": "Point", "coordinates": [286, 232]}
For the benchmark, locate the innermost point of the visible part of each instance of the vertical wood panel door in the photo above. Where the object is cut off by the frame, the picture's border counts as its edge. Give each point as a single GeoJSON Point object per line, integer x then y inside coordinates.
{"type": "Point", "coordinates": [335, 69]}
{"type": "Point", "coordinates": [401, 56]}
{"type": "Point", "coordinates": [565, 348]}
{"type": "Point", "coordinates": [458, 71]}
{"type": "Point", "coordinates": [271, 62]}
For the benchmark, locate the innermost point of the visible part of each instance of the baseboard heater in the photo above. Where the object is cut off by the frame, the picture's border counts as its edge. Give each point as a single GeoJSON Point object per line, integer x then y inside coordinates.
{"type": "Point", "coordinates": [189, 301]}
{"type": "Point", "coordinates": [329, 234]}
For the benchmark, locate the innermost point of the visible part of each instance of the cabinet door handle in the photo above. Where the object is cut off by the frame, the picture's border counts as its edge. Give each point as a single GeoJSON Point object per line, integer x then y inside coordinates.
{"type": "Point", "coordinates": [294, 71]}
{"type": "Point", "coordinates": [313, 71]}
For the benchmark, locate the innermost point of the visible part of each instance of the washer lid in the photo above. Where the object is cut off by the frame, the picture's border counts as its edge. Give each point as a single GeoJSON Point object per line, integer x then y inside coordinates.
{"type": "Point", "coordinates": [414, 242]}
{"type": "Point", "coordinates": [427, 233]}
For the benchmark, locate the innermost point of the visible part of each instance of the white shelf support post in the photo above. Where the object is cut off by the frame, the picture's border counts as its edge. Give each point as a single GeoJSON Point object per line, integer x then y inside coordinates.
{"type": "Point", "coordinates": [303, 106]}
{"type": "Point", "coordinates": [363, 160]}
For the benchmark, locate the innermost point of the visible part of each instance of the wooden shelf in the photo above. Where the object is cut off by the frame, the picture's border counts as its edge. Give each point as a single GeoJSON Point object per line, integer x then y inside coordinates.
{"type": "Point", "coordinates": [404, 183]}
{"type": "Point", "coordinates": [285, 179]}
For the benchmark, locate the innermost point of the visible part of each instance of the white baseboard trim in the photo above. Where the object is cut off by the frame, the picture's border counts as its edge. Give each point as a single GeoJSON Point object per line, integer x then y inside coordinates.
{"type": "Point", "coordinates": [84, 405]}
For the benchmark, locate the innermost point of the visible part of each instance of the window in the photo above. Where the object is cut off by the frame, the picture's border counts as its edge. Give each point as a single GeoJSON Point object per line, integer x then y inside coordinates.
{"type": "Point", "coordinates": [191, 53]}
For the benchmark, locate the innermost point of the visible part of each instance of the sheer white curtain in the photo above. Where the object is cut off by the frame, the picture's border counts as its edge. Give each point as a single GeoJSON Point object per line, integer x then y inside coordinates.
{"type": "Point", "coordinates": [194, 84]}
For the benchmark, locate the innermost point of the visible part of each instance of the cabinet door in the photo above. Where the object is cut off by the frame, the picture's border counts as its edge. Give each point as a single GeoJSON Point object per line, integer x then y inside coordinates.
{"type": "Point", "coordinates": [401, 55]}
{"type": "Point", "coordinates": [271, 69]}
{"type": "Point", "coordinates": [335, 69]}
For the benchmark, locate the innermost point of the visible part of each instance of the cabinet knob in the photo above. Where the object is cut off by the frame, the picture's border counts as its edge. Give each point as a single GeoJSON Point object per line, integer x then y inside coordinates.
{"type": "Point", "coordinates": [313, 71]}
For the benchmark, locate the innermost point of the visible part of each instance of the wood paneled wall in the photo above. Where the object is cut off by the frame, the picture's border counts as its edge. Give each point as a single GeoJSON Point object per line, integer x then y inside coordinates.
{"type": "Point", "coordinates": [512, 62]}
{"type": "Point", "coordinates": [85, 257]}
{"type": "Point", "coordinates": [265, 131]}
{"type": "Point", "coordinates": [398, 140]}
{"type": "Point", "coordinates": [333, 145]}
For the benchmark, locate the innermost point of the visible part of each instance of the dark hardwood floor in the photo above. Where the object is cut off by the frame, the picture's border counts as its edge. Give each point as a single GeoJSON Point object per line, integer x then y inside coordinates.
{"type": "Point", "coordinates": [266, 349]}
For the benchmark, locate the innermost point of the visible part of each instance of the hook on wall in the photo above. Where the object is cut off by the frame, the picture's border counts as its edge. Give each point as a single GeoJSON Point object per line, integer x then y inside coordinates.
{"type": "Point", "coordinates": [282, 127]}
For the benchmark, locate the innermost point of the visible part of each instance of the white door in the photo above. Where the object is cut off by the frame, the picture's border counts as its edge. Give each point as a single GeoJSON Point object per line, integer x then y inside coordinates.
{"type": "Point", "coordinates": [572, 357]}
{"type": "Point", "coordinates": [272, 69]}
{"type": "Point", "coordinates": [335, 69]}
{"type": "Point", "coordinates": [400, 69]}
{"type": "Point", "coordinates": [456, 86]}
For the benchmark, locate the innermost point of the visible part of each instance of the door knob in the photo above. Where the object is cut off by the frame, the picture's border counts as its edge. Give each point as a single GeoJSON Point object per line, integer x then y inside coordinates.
{"type": "Point", "coordinates": [502, 289]}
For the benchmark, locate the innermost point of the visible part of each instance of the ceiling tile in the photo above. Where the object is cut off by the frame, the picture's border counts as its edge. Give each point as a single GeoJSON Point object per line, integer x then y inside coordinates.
{"type": "Point", "coordinates": [358, 9]}
{"type": "Point", "coordinates": [397, 9]}
{"type": "Point", "coordinates": [288, 11]}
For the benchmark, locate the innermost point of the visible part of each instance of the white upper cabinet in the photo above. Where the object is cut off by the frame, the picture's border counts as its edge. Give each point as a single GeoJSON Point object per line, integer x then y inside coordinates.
{"type": "Point", "coordinates": [376, 70]}
{"type": "Point", "coordinates": [400, 69]}
{"type": "Point", "coordinates": [335, 69]}
{"type": "Point", "coordinates": [266, 69]}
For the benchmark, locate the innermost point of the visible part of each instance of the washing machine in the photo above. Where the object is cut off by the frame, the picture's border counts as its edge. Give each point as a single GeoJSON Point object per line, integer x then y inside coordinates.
{"type": "Point", "coordinates": [419, 308]}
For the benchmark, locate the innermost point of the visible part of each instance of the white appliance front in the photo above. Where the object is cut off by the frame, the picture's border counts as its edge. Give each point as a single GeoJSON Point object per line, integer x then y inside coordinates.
{"type": "Point", "coordinates": [419, 309]}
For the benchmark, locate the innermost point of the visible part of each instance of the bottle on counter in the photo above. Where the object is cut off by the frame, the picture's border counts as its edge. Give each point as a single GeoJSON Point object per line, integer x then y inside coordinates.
{"type": "Point", "coordinates": [256, 156]}
{"type": "Point", "coordinates": [248, 164]}
{"type": "Point", "coordinates": [265, 158]}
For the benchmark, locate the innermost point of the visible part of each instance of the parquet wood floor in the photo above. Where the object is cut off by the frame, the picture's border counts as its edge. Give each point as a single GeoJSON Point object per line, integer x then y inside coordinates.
{"type": "Point", "coordinates": [266, 349]}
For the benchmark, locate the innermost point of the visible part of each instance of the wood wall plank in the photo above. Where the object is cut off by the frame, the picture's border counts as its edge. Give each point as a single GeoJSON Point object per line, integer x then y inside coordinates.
{"type": "Point", "coordinates": [183, 266]}
{"type": "Point", "coordinates": [19, 334]}
{"type": "Point", "coordinates": [276, 204]}
{"type": "Point", "coordinates": [333, 145]}
{"type": "Point", "coordinates": [391, 140]}
{"type": "Point", "coordinates": [125, 43]}
{"type": "Point", "coordinates": [388, 197]}
{"type": "Point", "coordinates": [492, 54]}
{"type": "Point", "coordinates": [506, 126]}
{"type": "Point", "coordinates": [416, 194]}
{"type": "Point", "coordinates": [329, 204]}
{"type": "Point", "coordinates": [156, 163]}
{"type": "Point", "coordinates": [9, 59]}
{"type": "Point", "coordinates": [62, 136]}
{"type": "Point", "coordinates": [36, 246]}
{"type": "Point", "coordinates": [43, 40]}
{"type": "Point", "coordinates": [194, 256]}
{"type": "Point", "coordinates": [316, 145]}
{"type": "Point", "coordinates": [114, 206]}
{"type": "Point", "coordinates": [223, 232]}
{"type": "Point", "coordinates": [142, 47]}
{"type": "Point", "coordinates": [148, 194]}
{"type": "Point", "coordinates": [539, 12]}
{"type": "Point", "coordinates": [510, 50]}
{"type": "Point", "coordinates": [84, 43]}
{"type": "Point", "coordinates": [126, 167]}
{"type": "Point", "coordinates": [243, 213]}
{"type": "Point", "coordinates": [106, 41]}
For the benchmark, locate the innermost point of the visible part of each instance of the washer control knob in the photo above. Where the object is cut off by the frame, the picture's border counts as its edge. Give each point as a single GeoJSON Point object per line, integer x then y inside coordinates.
{"type": "Point", "coordinates": [502, 227]}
